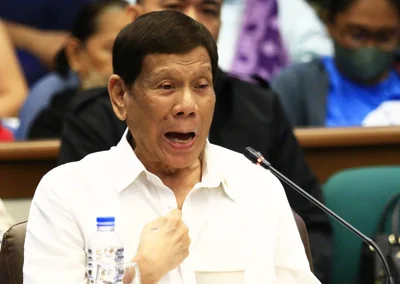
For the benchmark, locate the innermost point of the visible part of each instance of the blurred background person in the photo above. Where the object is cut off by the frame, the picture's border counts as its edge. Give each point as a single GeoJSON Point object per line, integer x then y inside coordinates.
{"type": "Point", "coordinates": [84, 63]}
{"type": "Point", "coordinates": [38, 29]}
{"type": "Point", "coordinates": [13, 88]}
{"type": "Point", "coordinates": [260, 37]}
{"type": "Point", "coordinates": [360, 85]}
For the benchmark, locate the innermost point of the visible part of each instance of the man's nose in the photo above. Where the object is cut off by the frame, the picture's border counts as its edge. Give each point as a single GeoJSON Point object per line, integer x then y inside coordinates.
{"type": "Point", "coordinates": [191, 12]}
{"type": "Point", "coordinates": [186, 105]}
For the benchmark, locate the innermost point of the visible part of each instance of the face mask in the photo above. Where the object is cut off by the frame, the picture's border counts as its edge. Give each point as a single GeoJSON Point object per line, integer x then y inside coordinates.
{"type": "Point", "coordinates": [362, 64]}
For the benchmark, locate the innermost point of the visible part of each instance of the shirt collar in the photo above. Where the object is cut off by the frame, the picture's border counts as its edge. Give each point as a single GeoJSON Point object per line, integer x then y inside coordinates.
{"type": "Point", "coordinates": [214, 170]}
{"type": "Point", "coordinates": [126, 167]}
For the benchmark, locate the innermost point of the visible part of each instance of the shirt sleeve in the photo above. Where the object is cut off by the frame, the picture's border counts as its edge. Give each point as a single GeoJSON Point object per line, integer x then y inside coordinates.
{"type": "Point", "coordinates": [291, 261]}
{"type": "Point", "coordinates": [54, 245]}
{"type": "Point", "coordinates": [305, 38]}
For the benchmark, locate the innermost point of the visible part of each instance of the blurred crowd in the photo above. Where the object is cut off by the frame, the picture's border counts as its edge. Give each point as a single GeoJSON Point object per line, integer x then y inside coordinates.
{"type": "Point", "coordinates": [332, 62]}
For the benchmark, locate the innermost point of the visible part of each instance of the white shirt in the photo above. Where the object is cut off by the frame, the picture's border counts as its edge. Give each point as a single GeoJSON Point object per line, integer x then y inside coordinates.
{"type": "Point", "coordinates": [239, 220]}
{"type": "Point", "coordinates": [303, 33]}
{"type": "Point", "coordinates": [386, 114]}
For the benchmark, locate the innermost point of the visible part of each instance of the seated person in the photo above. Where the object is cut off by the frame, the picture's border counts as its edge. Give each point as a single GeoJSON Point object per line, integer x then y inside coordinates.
{"type": "Point", "coordinates": [244, 115]}
{"type": "Point", "coordinates": [38, 29]}
{"type": "Point", "coordinates": [165, 65]}
{"type": "Point", "coordinates": [259, 37]}
{"type": "Point", "coordinates": [13, 87]}
{"type": "Point", "coordinates": [357, 87]}
{"type": "Point", "coordinates": [87, 54]}
{"type": "Point", "coordinates": [40, 95]}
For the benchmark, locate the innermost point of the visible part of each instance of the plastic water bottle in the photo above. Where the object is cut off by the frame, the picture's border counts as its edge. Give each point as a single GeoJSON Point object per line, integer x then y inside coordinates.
{"type": "Point", "coordinates": [105, 249]}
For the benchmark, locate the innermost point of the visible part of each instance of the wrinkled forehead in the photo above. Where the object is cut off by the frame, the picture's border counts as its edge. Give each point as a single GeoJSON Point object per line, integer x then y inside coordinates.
{"type": "Point", "coordinates": [192, 62]}
{"type": "Point", "coordinates": [212, 2]}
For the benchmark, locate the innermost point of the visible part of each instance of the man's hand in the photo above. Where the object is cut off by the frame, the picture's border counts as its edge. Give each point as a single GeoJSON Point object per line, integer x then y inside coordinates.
{"type": "Point", "coordinates": [164, 244]}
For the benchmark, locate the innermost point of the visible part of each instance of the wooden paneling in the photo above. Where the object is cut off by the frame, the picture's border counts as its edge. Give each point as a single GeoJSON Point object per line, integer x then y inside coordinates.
{"type": "Point", "coordinates": [330, 150]}
{"type": "Point", "coordinates": [22, 164]}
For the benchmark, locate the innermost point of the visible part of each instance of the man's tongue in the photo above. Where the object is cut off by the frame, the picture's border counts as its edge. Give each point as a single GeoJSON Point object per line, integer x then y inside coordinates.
{"type": "Point", "coordinates": [178, 137]}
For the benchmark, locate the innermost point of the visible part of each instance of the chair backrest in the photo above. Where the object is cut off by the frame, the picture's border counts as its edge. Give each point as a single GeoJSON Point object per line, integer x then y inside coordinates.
{"type": "Point", "coordinates": [12, 254]}
{"type": "Point", "coordinates": [301, 226]}
{"type": "Point", "coordinates": [357, 195]}
{"type": "Point", "coordinates": [12, 251]}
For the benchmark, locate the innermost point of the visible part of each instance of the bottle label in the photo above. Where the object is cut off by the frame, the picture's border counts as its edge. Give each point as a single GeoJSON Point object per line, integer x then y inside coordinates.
{"type": "Point", "coordinates": [110, 260]}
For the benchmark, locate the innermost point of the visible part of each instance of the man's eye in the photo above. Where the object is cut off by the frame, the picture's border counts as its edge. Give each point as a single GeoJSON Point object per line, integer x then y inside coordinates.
{"type": "Point", "coordinates": [166, 87]}
{"type": "Point", "coordinates": [203, 86]}
{"type": "Point", "coordinates": [210, 12]}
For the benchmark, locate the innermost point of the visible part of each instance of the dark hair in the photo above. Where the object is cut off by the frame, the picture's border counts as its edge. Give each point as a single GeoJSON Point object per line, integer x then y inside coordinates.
{"type": "Point", "coordinates": [84, 26]}
{"type": "Point", "coordinates": [335, 7]}
{"type": "Point", "coordinates": [163, 32]}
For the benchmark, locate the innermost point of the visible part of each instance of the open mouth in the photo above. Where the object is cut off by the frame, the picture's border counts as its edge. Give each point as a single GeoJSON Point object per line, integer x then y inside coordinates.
{"type": "Point", "coordinates": [179, 137]}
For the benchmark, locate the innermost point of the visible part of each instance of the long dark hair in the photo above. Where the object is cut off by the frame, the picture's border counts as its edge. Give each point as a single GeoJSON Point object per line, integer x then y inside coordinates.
{"type": "Point", "coordinates": [84, 26]}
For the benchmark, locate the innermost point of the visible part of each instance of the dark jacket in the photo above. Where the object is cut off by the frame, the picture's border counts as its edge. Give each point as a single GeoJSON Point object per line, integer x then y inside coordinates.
{"type": "Point", "coordinates": [303, 89]}
{"type": "Point", "coordinates": [245, 115]}
{"type": "Point", "coordinates": [48, 123]}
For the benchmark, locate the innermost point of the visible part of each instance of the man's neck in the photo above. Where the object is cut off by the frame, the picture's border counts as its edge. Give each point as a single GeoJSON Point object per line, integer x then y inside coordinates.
{"type": "Point", "coordinates": [182, 181]}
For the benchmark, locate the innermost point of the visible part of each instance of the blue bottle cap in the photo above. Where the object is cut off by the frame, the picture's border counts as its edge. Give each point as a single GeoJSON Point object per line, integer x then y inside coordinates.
{"type": "Point", "coordinates": [105, 221]}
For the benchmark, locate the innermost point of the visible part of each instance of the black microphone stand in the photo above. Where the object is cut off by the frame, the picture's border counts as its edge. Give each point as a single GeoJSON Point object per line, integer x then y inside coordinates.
{"type": "Point", "coordinates": [258, 158]}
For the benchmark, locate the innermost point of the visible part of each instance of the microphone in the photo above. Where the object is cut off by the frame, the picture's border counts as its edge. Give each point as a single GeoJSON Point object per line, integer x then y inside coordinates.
{"type": "Point", "coordinates": [258, 158]}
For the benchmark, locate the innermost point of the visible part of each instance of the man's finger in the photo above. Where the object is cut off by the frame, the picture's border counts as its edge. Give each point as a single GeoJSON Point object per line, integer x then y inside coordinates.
{"type": "Point", "coordinates": [175, 213]}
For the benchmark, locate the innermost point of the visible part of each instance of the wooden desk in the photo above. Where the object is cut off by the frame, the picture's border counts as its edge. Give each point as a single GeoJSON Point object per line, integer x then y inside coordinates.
{"type": "Point", "coordinates": [330, 150]}
{"type": "Point", "coordinates": [22, 164]}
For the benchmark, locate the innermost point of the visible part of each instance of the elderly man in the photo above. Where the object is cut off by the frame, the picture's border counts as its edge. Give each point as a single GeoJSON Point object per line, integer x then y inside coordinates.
{"type": "Point", "coordinates": [217, 217]}
{"type": "Point", "coordinates": [245, 115]}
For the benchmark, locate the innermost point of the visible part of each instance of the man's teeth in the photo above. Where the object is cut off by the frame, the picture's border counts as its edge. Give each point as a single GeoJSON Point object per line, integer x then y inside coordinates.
{"type": "Point", "coordinates": [176, 140]}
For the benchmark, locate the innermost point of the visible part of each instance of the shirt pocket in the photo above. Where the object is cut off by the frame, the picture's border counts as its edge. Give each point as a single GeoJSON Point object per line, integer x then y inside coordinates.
{"type": "Point", "coordinates": [219, 277]}
{"type": "Point", "coordinates": [221, 260]}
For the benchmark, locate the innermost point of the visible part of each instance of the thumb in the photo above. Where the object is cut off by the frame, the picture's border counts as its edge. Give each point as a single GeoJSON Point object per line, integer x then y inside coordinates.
{"type": "Point", "coordinates": [177, 213]}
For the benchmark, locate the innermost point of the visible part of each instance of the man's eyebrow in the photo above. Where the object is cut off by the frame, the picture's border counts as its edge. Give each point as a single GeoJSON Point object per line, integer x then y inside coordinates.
{"type": "Point", "coordinates": [368, 29]}
{"type": "Point", "coordinates": [212, 2]}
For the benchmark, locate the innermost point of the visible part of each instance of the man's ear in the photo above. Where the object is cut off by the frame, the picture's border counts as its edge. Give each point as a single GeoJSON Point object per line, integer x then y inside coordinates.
{"type": "Point", "coordinates": [117, 91]}
{"type": "Point", "coordinates": [134, 11]}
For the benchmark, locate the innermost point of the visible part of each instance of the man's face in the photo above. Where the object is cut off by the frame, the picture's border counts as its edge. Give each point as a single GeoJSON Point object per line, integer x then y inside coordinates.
{"type": "Point", "coordinates": [169, 108]}
{"type": "Point", "coordinates": [207, 12]}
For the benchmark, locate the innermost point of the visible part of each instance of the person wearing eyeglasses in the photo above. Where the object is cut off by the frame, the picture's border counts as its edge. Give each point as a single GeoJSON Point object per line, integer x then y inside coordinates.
{"type": "Point", "coordinates": [360, 85]}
